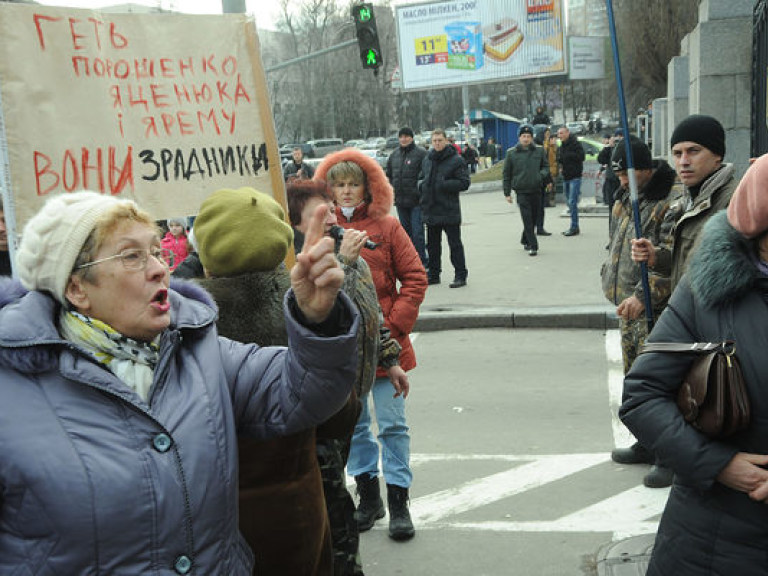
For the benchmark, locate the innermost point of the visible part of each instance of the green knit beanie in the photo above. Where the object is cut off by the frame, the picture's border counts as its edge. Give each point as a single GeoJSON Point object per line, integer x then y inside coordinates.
{"type": "Point", "coordinates": [241, 231]}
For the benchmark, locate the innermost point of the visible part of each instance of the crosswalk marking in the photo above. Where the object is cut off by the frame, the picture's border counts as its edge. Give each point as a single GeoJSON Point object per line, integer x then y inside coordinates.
{"type": "Point", "coordinates": [622, 437]}
{"type": "Point", "coordinates": [483, 491]}
{"type": "Point", "coordinates": [629, 513]}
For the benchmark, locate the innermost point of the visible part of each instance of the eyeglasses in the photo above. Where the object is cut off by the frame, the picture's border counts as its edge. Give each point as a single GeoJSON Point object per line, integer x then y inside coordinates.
{"type": "Point", "coordinates": [136, 258]}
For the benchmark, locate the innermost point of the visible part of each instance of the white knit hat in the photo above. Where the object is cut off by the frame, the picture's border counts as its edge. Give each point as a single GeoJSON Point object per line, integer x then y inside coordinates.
{"type": "Point", "coordinates": [53, 238]}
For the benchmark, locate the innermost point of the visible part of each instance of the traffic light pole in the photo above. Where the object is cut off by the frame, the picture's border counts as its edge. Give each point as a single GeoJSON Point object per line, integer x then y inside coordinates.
{"type": "Point", "coordinates": [312, 55]}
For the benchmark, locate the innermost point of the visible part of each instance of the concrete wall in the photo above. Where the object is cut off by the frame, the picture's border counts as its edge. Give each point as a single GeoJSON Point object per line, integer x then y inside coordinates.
{"type": "Point", "coordinates": [713, 76]}
{"type": "Point", "coordinates": [660, 133]}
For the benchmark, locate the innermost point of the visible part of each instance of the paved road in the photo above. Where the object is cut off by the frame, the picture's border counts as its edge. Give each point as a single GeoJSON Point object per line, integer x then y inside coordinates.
{"type": "Point", "coordinates": [512, 428]}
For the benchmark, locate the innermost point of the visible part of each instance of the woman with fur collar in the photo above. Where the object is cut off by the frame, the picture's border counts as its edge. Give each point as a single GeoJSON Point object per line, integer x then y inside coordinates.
{"type": "Point", "coordinates": [716, 518]}
{"type": "Point", "coordinates": [364, 199]}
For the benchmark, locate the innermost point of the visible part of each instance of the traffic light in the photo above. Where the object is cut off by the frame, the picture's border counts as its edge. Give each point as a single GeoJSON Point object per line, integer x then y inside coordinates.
{"type": "Point", "coordinates": [367, 35]}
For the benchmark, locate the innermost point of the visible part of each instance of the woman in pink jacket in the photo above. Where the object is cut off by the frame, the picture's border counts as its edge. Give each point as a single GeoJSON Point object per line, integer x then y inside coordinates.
{"type": "Point", "coordinates": [175, 240]}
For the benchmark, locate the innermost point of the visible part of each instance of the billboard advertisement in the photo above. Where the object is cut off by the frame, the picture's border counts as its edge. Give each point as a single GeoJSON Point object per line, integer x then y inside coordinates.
{"type": "Point", "coordinates": [457, 42]}
{"type": "Point", "coordinates": [587, 57]}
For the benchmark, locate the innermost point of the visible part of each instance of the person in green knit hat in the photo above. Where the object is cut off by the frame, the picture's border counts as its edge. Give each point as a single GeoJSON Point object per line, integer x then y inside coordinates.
{"type": "Point", "coordinates": [243, 239]}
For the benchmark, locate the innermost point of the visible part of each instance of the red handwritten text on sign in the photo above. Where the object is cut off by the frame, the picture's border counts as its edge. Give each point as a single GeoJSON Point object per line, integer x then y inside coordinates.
{"type": "Point", "coordinates": [162, 97]}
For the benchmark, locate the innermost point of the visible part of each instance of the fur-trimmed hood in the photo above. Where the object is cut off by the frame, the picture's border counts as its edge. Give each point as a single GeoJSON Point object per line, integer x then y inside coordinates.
{"type": "Point", "coordinates": [723, 268]}
{"type": "Point", "coordinates": [377, 185]}
{"type": "Point", "coordinates": [657, 188]}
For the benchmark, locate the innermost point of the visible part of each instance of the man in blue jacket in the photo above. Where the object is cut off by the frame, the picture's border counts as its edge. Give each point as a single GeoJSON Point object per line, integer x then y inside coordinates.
{"type": "Point", "coordinates": [570, 157]}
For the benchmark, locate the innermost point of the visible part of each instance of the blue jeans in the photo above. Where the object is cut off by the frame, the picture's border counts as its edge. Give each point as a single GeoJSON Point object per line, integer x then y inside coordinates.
{"type": "Point", "coordinates": [410, 218]}
{"type": "Point", "coordinates": [572, 191]}
{"type": "Point", "coordinates": [393, 436]}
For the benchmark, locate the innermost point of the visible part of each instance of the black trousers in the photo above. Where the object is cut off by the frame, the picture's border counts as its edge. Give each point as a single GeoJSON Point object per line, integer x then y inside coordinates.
{"type": "Point", "coordinates": [435, 249]}
{"type": "Point", "coordinates": [529, 202]}
{"type": "Point", "coordinates": [542, 206]}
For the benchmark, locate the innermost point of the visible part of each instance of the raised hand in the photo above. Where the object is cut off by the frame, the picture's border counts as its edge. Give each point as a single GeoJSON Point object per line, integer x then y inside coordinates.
{"type": "Point", "coordinates": [352, 242]}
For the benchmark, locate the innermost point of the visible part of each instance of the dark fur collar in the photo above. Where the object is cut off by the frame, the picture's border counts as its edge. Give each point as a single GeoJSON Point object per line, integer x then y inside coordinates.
{"type": "Point", "coordinates": [723, 267]}
{"type": "Point", "coordinates": [661, 182]}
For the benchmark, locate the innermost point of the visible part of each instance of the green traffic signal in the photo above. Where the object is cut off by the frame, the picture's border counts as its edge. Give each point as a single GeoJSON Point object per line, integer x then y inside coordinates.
{"type": "Point", "coordinates": [364, 14]}
{"type": "Point", "coordinates": [367, 35]}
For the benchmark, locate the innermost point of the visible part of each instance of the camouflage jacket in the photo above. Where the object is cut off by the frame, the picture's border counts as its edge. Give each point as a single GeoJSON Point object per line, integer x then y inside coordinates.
{"type": "Point", "coordinates": [686, 218]}
{"type": "Point", "coordinates": [375, 346]}
{"type": "Point", "coordinates": [621, 276]}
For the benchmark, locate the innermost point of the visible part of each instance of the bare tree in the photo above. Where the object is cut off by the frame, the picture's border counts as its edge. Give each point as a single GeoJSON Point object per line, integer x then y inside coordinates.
{"type": "Point", "coordinates": [649, 35]}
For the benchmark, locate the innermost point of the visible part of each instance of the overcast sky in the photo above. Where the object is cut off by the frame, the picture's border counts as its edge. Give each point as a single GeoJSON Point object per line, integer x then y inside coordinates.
{"type": "Point", "coordinates": [265, 11]}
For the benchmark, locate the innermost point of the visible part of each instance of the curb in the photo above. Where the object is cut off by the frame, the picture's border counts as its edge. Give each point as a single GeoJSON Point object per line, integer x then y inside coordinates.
{"type": "Point", "coordinates": [454, 318]}
{"type": "Point", "coordinates": [587, 206]}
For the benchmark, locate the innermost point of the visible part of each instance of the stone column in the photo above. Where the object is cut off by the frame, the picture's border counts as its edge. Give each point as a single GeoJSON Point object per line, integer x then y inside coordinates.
{"type": "Point", "coordinates": [721, 71]}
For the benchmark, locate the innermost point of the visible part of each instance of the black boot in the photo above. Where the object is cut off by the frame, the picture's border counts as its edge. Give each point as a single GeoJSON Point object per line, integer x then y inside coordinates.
{"type": "Point", "coordinates": [400, 525]}
{"type": "Point", "coordinates": [635, 454]}
{"type": "Point", "coordinates": [371, 507]}
{"type": "Point", "coordinates": [659, 477]}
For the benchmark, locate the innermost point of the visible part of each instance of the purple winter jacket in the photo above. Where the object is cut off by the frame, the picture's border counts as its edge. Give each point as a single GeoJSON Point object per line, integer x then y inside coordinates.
{"type": "Point", "coordinates": [93, 480]}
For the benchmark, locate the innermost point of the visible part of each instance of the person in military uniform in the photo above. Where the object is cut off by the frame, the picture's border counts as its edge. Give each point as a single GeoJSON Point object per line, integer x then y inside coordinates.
{"type": "Point", "coordinates": [621, 275]}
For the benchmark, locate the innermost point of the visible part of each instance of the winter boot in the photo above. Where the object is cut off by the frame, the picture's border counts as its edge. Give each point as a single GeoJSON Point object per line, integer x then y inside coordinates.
{"type": "Point", "coordinates": [371, 507]}
{"type": "Point", "coordinates": [400, 525]}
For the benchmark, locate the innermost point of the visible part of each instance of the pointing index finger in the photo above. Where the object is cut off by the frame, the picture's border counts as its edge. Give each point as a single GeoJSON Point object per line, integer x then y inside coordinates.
{"type": "Point", "coordinates": [316, 228]}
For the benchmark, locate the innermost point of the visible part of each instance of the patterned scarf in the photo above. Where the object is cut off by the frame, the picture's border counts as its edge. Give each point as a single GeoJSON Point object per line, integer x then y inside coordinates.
{"type": "Point", "coordinates": [133, 362]}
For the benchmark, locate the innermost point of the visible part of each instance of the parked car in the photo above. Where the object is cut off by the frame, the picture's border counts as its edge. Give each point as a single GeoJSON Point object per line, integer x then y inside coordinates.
{"type": "Point", "coordinates": [379, 155]}
{"type": "Point", "coordinates": [375, 142]}
{"type": "Point", "coordinates": [392, 143]}
{"type": "Point", "coordinates": [322, 146]}
{"type": "Point", "coordinates": [577, 128]}
{"type": "Point", "coordinates": [354, 143]}
{"type": "Point", "coordinates": [591, 148]}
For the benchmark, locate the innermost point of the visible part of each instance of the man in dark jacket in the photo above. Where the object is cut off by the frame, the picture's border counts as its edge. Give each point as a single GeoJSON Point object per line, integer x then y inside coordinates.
{"type": "Point", "coordinates": [541, 116]}
{"type": "Point", "coordinates": [570, 157]}
{"type": "Point", "coordinates": [403, 169]}
{"type": "Point", "coordinates": [525, 169]}
{"type": "Point", "coordinates": [297, 168]}
{"type": "Point", "coordinates": [443, 175]}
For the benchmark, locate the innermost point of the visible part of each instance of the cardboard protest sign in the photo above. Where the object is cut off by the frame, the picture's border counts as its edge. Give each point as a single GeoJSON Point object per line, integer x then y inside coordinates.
{"type": "Point", "coordinates": [163, 109]}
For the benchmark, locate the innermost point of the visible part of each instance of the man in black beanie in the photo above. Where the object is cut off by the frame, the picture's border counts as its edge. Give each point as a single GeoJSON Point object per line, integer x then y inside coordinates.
{"type": "Point", "coordinates": [403, 168]}
{"type": "Point", "coordinates": [698, 148]}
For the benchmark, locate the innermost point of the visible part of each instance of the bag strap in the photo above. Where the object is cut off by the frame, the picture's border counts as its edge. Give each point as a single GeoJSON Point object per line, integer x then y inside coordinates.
{"type": "Point", "coordinates": [728, 346]}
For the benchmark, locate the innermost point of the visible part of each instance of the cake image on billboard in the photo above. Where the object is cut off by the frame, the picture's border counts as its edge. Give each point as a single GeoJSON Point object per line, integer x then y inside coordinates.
{"type": "Point", "coordinates": [465, 45]}
{"type": "Point", "coordinates": [501, 39]}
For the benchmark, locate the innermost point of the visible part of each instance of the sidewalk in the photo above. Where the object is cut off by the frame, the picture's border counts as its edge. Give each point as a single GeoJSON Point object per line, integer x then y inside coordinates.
{"type": "Point", "coordinates": [507, 288]}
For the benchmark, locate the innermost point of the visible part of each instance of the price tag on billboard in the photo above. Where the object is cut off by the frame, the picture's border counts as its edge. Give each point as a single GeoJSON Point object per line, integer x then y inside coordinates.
{"type": "Point", "coordinates": [431, 50]}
